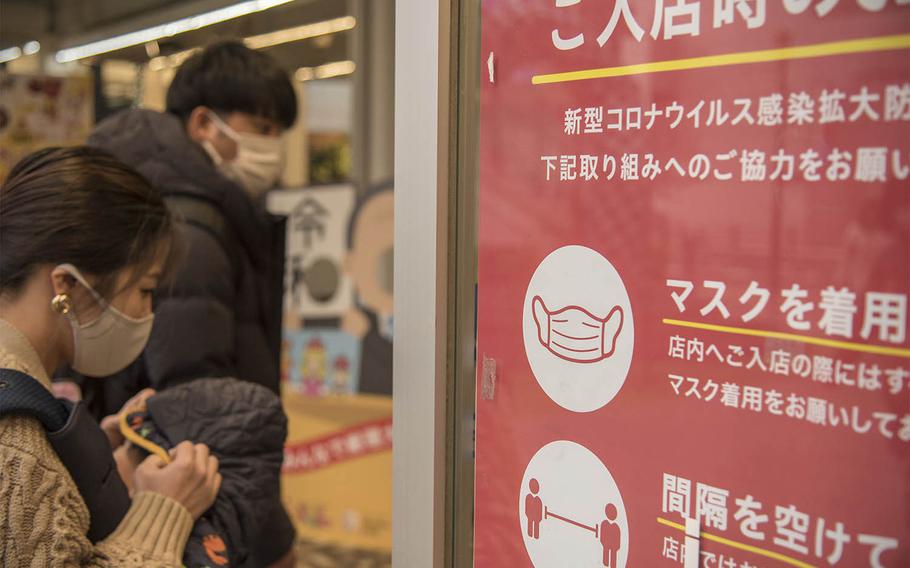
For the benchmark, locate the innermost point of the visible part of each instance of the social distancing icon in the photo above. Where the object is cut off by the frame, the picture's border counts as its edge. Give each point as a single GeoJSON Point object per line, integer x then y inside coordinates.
{"type": "Point", "coordinates": [578, 328]}
{"type": "Point", "coordinates": [571, 511]}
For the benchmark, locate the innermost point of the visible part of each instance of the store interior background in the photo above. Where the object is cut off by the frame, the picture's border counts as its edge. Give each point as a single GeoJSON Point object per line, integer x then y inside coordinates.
{"type": "Point", "coordinates": [337, 485]}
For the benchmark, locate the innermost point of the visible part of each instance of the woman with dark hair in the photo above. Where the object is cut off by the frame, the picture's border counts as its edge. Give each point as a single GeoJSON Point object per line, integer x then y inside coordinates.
{"type": "Point", "coordinates": [84, 241]}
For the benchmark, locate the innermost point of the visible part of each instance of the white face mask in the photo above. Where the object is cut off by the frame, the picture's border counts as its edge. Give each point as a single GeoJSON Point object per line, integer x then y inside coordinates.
{"type": "Point", "coordinates": [111, 342]}
{"type": "Point", "coordinates": [258, 163]}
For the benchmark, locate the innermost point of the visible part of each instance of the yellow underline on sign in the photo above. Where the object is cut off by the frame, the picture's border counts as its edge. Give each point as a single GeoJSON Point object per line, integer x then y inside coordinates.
{"type": "Point", "coordinates": [865, 45]}
{"type": "Point", "coordinates": [741, 546]}
{"type": "Point", "coordinates": [849, 345]}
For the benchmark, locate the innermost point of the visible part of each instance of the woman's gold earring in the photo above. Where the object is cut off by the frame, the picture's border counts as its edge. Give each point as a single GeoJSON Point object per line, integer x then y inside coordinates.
{"type": "Point", "coordinates": [61, 304]}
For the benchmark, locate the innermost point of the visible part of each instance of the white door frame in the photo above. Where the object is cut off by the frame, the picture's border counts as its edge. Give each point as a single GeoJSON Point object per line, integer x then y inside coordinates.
{"type": "Point", "coordinates": [421, 276]}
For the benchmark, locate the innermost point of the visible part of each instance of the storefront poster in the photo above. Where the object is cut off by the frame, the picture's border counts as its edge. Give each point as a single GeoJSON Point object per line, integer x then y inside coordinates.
{"type": "Point", "coordinates": [694, 264]}
{"type": "Point", "coordinates": [319, 362]}
{"type": "Point", "coordinates": [316, 285]}
{"type": "Point", "coordinates": [37, 111]}
{"type": "Point", "coordinates": [337, 473]}
{"type": "Point", "coordinates": [336, 372]}
{"type": "Point", "coordinates": [339, 283]}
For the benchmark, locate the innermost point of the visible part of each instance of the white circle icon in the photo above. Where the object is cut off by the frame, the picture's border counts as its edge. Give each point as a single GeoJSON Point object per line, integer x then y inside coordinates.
{"type": "Point", "coordinates": [578, 328]}
{"type": "Point", "coordinates": [570, 510]}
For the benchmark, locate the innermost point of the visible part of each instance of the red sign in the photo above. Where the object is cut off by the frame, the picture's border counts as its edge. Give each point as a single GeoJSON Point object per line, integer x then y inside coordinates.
{"type": "Point", "coordinates": [693, 279]}
{"type": "Point", "coordinates": [340, 446]}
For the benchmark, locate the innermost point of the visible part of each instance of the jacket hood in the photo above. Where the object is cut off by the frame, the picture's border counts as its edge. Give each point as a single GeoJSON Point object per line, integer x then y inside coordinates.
{"type": "Point", "coordinates": [157, 145]}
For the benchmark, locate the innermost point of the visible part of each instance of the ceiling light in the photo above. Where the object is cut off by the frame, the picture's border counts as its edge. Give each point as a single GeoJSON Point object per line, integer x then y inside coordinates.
{"type": "Point", "coordinates": [305, 74]}
{"type": "Point", "coordinates": [165, 30]}
{"type": "Point", "coordinates": [319, 29]}
{"type": "Point", "coordinates": [334, 69]}
{"type": "Point", "coordinates": [299, 33]}
{"type": "Point", "coordinates": [9, 54]}
{"type": "Point", "coordinates": [31, 48]}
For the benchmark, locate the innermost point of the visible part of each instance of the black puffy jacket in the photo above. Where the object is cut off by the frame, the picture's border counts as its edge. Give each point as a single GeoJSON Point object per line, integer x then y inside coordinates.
{"type": "Point", "coordinates": [245, 428]}
{"type": "Point", "coordinates": [221, 315]}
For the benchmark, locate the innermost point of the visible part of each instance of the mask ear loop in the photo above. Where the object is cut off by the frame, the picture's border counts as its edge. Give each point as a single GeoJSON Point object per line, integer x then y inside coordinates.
{"type": "Point", "coordinates": [223, 126]}
{"type": "Point", "coordinates": [226, 129]}
{"type": "Point", "coordinates": [105, 305]}
{"type": "Point", "coordinates": [79, 278]}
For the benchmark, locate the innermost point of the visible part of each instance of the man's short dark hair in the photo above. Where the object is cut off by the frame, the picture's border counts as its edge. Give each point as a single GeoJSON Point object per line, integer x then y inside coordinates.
{"type": "Point", "coordinates": [230, 77]}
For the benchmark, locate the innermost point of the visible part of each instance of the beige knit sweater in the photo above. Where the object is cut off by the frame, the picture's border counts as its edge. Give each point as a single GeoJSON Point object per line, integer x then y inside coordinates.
{"type": "Point", "coordinates": [43, 519]}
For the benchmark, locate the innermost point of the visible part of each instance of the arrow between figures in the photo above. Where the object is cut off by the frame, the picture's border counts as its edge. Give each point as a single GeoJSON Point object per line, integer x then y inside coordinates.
{"type": "Point", "coordinates": [547, 514]}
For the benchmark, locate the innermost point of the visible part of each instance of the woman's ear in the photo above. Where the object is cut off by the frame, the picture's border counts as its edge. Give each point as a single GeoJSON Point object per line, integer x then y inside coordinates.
{"type": "Point", "coordinates": [68, 293]}
{"type": "Point", "coordinates": [62, 282]}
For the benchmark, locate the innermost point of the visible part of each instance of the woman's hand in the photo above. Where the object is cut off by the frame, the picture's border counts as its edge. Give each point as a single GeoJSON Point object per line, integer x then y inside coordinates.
{"type": "Point", "coordinates": [191, 479]}
{"type": "Point", "coordinates": [111, 424]}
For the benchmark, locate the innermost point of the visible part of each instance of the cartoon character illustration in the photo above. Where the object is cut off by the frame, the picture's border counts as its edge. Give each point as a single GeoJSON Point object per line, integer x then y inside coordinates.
{"type": "Point", "coordinates": [313, 515]}
{"type": "Point", "coordinates": [313, 367]}
{"type": "Point", "coordinates": [369, 263]}
{"type": "Point", "coordinates": [341, 375]}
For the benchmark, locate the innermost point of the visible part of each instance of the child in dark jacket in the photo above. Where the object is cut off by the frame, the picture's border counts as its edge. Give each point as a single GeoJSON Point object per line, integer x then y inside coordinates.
{"type": "Point", "coordinates": [245, 428]}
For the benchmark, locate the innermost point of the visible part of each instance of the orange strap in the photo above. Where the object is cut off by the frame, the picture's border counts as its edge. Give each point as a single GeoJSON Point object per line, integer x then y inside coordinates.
{"type": "Point", "coordinates": [135, 438]}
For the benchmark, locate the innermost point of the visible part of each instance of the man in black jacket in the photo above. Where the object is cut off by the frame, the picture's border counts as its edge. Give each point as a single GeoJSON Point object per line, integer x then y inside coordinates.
{"type": "Point", "coordinates": [213, 155]}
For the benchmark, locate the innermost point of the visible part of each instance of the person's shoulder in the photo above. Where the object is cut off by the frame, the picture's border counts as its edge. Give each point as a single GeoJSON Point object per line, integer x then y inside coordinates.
{"type": "Point", "coordinates": [130, 126]}
{"type": "Point", "coordinates": [44, 510]}
{"type": "Point", "coordinates": [26, 455]}
{"type": "Point", "coordinates": [156, 144]}
{"type": "Point", "coordinates": [23, 438]}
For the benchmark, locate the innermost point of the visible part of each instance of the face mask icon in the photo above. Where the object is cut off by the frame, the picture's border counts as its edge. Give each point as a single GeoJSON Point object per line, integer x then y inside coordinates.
{"type": "Point", "coordinates": [575, 334]}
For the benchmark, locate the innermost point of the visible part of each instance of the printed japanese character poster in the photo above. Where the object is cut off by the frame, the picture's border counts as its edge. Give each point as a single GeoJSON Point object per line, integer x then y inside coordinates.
{"type": "Point", "coordinates": [694, 265]}
{"type": "Point", "coordinates": [316, 285]}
